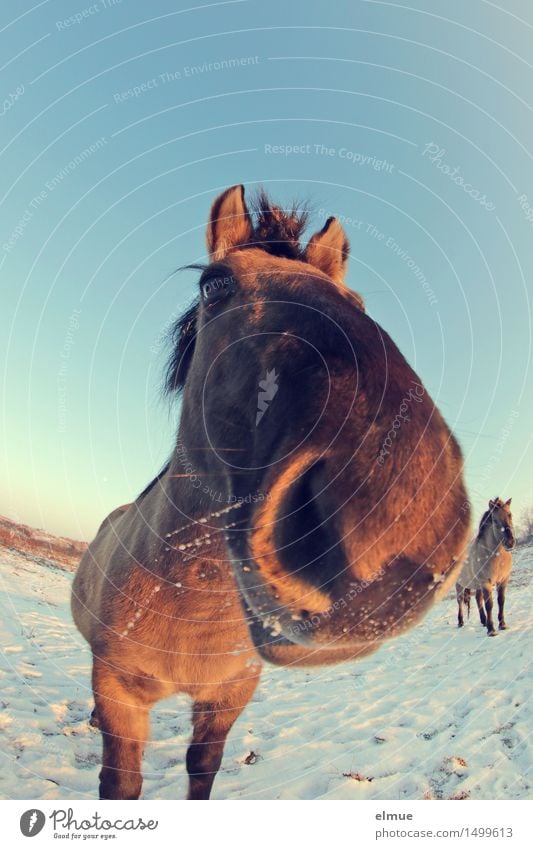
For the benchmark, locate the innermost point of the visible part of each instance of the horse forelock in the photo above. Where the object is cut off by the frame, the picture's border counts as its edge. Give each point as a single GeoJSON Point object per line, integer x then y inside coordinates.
{"type": "Point", "coordinates": [278, 231]}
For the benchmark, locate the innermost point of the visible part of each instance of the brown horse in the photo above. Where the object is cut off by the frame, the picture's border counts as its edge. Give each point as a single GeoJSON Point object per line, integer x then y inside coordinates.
{"type": "Point", "coordinates": [313, 507]}
{"type": "Point", "coordinates": [488, 564]}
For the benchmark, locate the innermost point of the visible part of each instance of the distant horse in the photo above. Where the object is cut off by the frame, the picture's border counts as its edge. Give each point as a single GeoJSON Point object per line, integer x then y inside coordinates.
{"type": "Point", "coordinates": [489, 563]}
{"type": "Point", "coordinates": [313, 506]}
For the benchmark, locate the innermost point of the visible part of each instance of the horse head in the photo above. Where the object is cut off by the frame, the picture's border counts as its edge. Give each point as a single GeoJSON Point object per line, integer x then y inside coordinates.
{"type": "Point", "coordinates": [502, 522]}
{"type": "Point", "coordinates": [298, 407]}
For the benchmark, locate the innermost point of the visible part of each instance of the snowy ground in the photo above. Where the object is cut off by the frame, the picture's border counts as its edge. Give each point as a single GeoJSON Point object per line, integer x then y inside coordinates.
{"type": "Point", "coordinates": [439, 713]}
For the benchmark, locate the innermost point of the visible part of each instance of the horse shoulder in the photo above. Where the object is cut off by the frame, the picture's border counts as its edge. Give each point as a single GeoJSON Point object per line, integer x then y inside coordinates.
{"type": "Point", "coordinates": [90, 577]}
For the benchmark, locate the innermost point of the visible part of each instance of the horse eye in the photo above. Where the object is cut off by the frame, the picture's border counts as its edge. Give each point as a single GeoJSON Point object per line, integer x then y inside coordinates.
{"type": "Point", "coordinates": [217, 288]}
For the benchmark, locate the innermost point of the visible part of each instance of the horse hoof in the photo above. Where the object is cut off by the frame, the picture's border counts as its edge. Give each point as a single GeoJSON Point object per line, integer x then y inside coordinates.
{"type": "Point", "coordinates": [503, 627]}
{"type": "Point", "coordinates": [492, 633]}
{"type": "Point", "coordinates": [460, 624]}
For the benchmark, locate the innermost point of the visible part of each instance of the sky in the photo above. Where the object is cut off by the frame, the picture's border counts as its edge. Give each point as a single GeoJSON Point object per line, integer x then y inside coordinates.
{"type": "Point", "coordinates": [120, 123]}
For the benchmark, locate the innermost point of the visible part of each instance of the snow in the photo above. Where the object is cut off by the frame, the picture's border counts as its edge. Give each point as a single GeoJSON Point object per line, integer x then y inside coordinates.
{"type": "Point", "coordinates": [439, 713]}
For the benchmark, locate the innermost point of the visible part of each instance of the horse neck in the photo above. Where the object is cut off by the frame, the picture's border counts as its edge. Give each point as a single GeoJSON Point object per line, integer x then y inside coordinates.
{"type": "Point", "coordinates": [183, 496]}
{"type": "Point", "coordinates": [490, 542]}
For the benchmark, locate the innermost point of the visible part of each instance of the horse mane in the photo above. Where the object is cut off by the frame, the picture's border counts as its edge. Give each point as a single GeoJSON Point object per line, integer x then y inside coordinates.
{"type": "Point", "coordinates": [182, 338]}
{"type": "Point", "coordinates": [276, 231]}
{"type": "Point", "coordinates": [483, 524]}
{"type": "Point", "coordinates": [157, 478]}
{"type": "Point", "coordinates": [486, 517]}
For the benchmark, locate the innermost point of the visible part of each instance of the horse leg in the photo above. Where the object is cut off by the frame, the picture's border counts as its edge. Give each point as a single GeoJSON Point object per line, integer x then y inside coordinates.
{"type": "Point", "coordinates": [487, 598]}
{"type": "Point", "coordinates": [122, 717]}
{"type": "Point", "coordinates": [212, 721]}
{"type": "Point", "coordinates": [501, 603]}
{"type": "Point", "coordinates": [481, 609]}
{"type": "Point", "coordinates": [467, 595]}
{"type": "Point", "coordinates": [459, 595]}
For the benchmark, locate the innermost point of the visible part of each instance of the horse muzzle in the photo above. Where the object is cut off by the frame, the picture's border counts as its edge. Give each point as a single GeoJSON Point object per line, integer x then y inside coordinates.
{"type": "Point", "coordinates": [297, 580]}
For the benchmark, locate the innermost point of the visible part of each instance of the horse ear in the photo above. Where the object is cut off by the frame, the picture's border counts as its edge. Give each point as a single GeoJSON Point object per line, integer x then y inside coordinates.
{"type": "Point", "coordinates": [491, 504]}
{"type": "Point", "coordinates": [328, 250]}
{"type": "Point", "coordinates": [229, 224]}
{"type": "Point", "coordinates": [508, 503]}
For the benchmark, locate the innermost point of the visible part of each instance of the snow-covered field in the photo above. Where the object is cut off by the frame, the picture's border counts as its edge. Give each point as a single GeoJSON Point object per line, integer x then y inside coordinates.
{"type": "Point", "coordinates": [439, 713]}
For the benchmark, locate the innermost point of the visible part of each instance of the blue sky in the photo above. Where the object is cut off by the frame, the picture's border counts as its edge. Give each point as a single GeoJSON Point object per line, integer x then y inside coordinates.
{"type": "Point", "coordinates": [120, 123]}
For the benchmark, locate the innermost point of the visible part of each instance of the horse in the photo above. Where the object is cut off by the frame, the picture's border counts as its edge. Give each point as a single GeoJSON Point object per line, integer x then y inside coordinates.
{"type": "Point", "coordinates": [489, 562]}
{"type": "Point", "coordinates": [313, 505]}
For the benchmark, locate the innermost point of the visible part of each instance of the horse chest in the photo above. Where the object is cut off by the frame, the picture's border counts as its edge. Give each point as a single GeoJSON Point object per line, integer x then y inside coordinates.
{"type": "Point", "coordinates": [161, 626]}
{"type": "Point", "coordinates": [501, 566]}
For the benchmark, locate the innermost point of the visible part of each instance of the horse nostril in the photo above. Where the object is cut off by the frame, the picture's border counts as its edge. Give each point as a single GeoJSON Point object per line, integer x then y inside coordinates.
{"type": "Point", "coordinates": [306, 541]}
